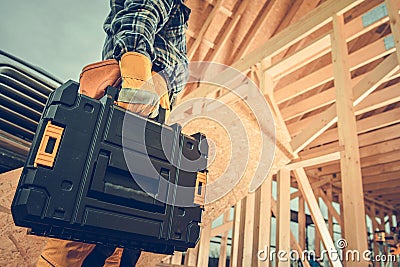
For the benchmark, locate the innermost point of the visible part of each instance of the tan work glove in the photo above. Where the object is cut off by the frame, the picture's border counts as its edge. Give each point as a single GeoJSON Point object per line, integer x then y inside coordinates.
{"type": "Point", "coordinates": [95, 78]}
{"type": "Point", "coordinates": [138, 93]}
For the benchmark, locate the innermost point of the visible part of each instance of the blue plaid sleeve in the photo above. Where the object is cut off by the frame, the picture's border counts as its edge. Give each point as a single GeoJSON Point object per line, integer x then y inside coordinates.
{"type": "Point", "coordinates": [155, 28]}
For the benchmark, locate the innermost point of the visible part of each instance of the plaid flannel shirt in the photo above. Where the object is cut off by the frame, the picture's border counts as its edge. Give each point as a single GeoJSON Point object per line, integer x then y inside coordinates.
{"type": "Point", "coordinates": [155, 28]}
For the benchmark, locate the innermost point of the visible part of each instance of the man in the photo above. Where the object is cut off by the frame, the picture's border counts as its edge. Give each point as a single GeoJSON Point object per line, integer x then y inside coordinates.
{"type": "Point", "coordinates": [144, 37]}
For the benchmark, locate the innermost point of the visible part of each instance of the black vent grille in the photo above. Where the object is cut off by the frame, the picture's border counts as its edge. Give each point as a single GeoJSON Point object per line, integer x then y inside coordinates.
{"type": "Point", "coordinates": [23, 93]}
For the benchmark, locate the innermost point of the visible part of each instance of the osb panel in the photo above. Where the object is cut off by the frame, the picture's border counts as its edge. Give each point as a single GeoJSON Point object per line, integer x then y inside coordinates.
{"type": "Point", "coordinates": [218, 136]}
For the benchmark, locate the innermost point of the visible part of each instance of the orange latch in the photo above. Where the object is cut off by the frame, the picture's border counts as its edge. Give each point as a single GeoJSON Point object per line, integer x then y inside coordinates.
{"type": "Point", "coordinates": [200, 189]}
{"type": "Point", "coordinates": [49, 145]}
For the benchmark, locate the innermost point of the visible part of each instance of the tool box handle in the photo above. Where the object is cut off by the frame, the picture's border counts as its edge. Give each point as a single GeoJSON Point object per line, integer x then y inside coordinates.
{"type": "Point", "coordinates": [49, 145]}
{"type": "Point", "coordinates": [161, 117]}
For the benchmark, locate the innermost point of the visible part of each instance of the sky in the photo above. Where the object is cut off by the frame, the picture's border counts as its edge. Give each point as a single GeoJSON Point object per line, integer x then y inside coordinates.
{"type": "Point", "coordinates": [60, 36]}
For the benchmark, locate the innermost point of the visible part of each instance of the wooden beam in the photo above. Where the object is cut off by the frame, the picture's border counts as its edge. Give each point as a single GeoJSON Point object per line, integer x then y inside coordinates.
{"type": "Point", "coordinates": [204, 28]}
{"type": "Point", "coordinates": [370, 143]}
{"type": "Point", "coordinates": [314, 185]}
{"type": "Point", "coordinates": [220, 43]}
{"type": "Point", "coordinates": [296, 12]}
{"type": "Point", "coordinates": [300, 58]}
{"type": "Point", "coordinates": [314, 161]}
{"type": "Point", "coordinates": [378, 99]}
{"type": "Point", "coordinates": [353, 199]}
{"type": "Point", "coordinates": [353, 29]}
{"type": "Point", "coordinates": [313, 102]}
{"type": "Point", "coordinates": [319, 221]}
{"type": "Point", "coordinates": [357, 59]}
{"type": "Point", "coordinates": [382, 156]}
{"type": "Point", "coordinates": [383, 178]}
{"type": "Point", "coordinates": [393, 12]}
{"type": "Point", "coordinates": [388, 191]}
{"type": "Point", "coordinates": [283, 215]}
{"type": "Point", "coordinates": [219, 230]}
{"type": "Point", "coordinates": [332, 211]}
{"type": "Point", "coordinates": [249, 38]}
{"type": "Point", "coordinates": [223, 9]}
{"type": "Point", "coordinates": [319, 17]}
{"type": "Point", "coordinates": [327, 118]}
{"type": "Point", "coordinates": [364, 125]}
{"type": "Point", "coordinates": [329, 195]}
{"type": "Point", "coordinates": [380, 186]}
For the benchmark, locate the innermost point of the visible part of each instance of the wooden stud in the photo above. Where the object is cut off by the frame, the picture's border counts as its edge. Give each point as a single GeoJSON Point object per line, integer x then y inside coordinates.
{"type": "Point", "coordinates": [191, 256]}
{"type": "Point", "coordinates": [264, 238]}
{"type": "Point", "coordinates": [248, 249]}
{"type": "Point", "coordinates": [176, 258]}
{"type": "Point", "coordinates": [204, 246]}
{"type": "Point", "coordinates": [329, 195]}
{"type": "Point", "coordinates": [317, 235]}
{"type": "Point", "coordinates": [293, 243]}
{"type": "Point", "coordinates": [283, 215]}
{"type": "Point", "coordinates": [224, 241]}
{"type": "Point", "coordinates": [237, 237]}
{"type": "Point", "coordinates": [302, 223]}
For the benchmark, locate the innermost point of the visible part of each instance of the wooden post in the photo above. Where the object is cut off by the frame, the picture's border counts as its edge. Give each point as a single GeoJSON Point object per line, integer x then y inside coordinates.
{"type": "Point", "coordinates": [176, 258]}
{"type": "Point", "coordinates": [302, 223]}
{"type": "Point", "coordinates": [283, 217]}
{"type": "Point", "coordinates": [204, 245]}
{"type": "Point", "coordinates": [353, 197]}
{"type": "Point", "coordinates": [342, 231]}
{"type": "Point", "coordinates": [265, 220]}
{"type": "Point", "coordinates": [191, 256]}
{"type": "Point", "coordinates": [330, 219]}
{"type": "Point", "coordinates": [375, 226]}
{"type": "Point", "coordinates": [237, 237]}
{"type": "Point", "coordinates": [317, 236]}
{"type": "Point", "coordinates": [248, 251]}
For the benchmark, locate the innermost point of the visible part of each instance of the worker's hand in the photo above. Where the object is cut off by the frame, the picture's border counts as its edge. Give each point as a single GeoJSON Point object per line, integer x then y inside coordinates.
{"type": "Point", "coordinates": [95, 78]}
{"type": "Point", "coordinates": [143, 98]}
{"type": "Point", "coordinates": [141, 90]}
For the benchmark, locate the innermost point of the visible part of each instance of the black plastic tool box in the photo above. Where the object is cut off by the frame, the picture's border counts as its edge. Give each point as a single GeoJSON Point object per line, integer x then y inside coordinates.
{"type": "Point", "coordinates": [87, 176]}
